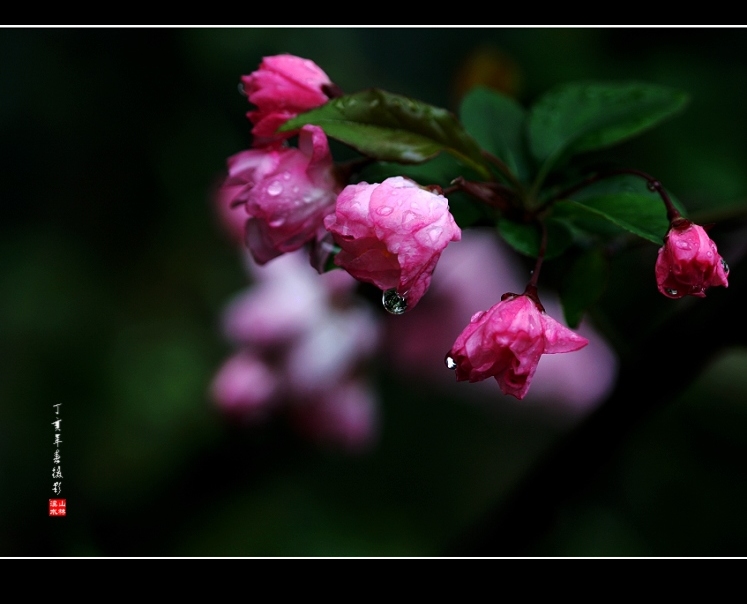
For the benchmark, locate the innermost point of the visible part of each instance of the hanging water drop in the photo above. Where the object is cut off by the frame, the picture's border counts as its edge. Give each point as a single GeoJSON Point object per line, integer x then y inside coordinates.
{"type": "Point", "coordinates": [724, 265]}
{"type": "Point", "coordinates": [450, 363]}
{"type": "Point", "coordinates": [393, 302]}
{"type": "Point", "coordinates": [671, 292]}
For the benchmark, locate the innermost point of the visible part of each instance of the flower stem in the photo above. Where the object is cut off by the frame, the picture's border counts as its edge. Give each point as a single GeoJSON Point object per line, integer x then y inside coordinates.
{"type": "Point", "coordinates": [505, 170]}
{"type": "Point", "coordinates": [531, 288]}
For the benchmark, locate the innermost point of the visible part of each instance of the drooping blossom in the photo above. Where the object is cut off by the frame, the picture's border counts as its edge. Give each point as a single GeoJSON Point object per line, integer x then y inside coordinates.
{"type": "Point", "coordinates": [301, 343]}
{"type": "Point", "coordinates": [284, 192]}
{"type": "Point", "coordinates": [507, 341]}
{"type": "Point", "coordinates": [689, 263]}
{"type": "Point", "coordinates": [565, 383]}
{"type": "Point", "coordinates": [392, 234]}
{"type": "Point", "coordinates": [283, 87]}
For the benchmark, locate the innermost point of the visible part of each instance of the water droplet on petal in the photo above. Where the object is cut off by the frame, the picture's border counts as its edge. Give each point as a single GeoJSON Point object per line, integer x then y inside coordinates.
{"type": "Point", "coordinates": [384, 211]}
{"type": "Point", "coordinates": [307, 197]}
{"type": "Point", "coordinates": [724, 265]}
{"type": "Point", "coordinates": [450, 363]}
{"type": "Point", "coordinates": [671, 292]}
{"type": "Point", "coordinates": [434, 233]}
{"type": "Point", "coordinates": [275, 188]}
{"type": "Point", "coordinates": [683, 245]}
{"type": "Point", "coordinates": [286, 176]}
{"type": "Point", "coordinates": [393, 302]}
{"type": "Point", "coordinates": [477, 316]}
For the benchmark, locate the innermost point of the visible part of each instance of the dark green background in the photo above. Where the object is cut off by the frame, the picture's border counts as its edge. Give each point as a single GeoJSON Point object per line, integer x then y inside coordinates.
{"type": "Point", "coordinates": [113, 274]}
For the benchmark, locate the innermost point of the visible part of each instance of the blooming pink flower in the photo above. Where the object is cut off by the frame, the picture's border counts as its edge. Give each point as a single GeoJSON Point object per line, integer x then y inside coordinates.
{"type": "Point", "coordinates": [688, 263]}
{"type": "Point", "coordinates": [392, 234]}
{"type": "Point", "coordinates": [282, 87]}
{"type": "Point", "coordinates": [286, 193]}
{"type": "Point", "coordinates": [415, 342]}
{"type": "Point", "coordinates": [507, 341]}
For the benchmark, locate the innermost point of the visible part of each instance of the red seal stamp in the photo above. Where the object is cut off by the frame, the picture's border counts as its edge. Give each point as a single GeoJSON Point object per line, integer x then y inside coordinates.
{"type": "Point", "coordinates": [57, 507]}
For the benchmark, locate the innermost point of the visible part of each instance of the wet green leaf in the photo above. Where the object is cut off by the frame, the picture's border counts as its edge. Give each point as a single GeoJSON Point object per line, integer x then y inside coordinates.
{"type": "Point", "coordinates": [624, 201]}
{"type": "Point", "coordinates": [391, 127]}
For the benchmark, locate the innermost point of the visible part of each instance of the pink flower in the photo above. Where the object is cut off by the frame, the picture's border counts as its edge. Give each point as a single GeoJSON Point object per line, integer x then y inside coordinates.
{"type": "Point", "coordinates": [286, 193]}
{"type": "Point", "coordinates": [283, 87]}
{"type": "Point", "coordinates": [415, 342]}
{"type": "Point", "coordinates": [689, 263]}
{"type": "Point", "coordinates": [302, 343]}
{"type": "Point", "coordinates": [245, 385]}
{"type": "Point", "coordinates": [507, 341]}
{"type": "Point", "coordinates": [392, 234]}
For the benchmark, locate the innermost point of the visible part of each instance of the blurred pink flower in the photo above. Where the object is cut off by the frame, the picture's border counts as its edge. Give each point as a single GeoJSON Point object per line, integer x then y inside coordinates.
{"type": "Point", "coordinates": [689, 263]}
{"type": "Point", "coordinates": [392, 234]}
{"type": "Point", "coordinates": [245, 385]}
{"type": "Point", "coordinates": [346, 415]}
{"type": "Point", "coordinates": [507, 341]}
{"type": "Point", "coordinates": [285, 192]}
{"type": "Point", "coordinates": [283, 87]}
{"type": "Point", "coordinates": [302, 341]}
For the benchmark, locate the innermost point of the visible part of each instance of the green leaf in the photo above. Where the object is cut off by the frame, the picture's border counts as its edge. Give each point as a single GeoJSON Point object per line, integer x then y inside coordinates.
{"type": "Point", "coordinates": [390, 127]}
{"type": "Point", "coordinates": [590, 115]}
{"type": "Point", "coordinates": [583, 285]}
{"type": "Point", "coordinates": [526, 238]}
{"type": "Point", "coordinates": [624, 201]}
{"type": "Point", "coordinates": [497, 123]}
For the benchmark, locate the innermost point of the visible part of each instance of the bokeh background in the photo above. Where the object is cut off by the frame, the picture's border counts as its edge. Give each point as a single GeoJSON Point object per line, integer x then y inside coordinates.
{"type": "Point", "coordinates": [114, 272]}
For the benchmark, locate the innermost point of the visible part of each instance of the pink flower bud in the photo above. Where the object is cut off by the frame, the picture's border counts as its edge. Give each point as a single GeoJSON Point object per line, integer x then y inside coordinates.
{"type": "Point", "coordinates": [245, 385]}
{"type": "Point", "coordinates": [282, 87]}
{"type": "Point", "coordinates": [689, 263]}
{"type": "Point", "coordinates": [507, 341]}
{"type": "Point", "coordinates": [286, 192]}
{"type": "Point", "coordinates": [392, 234]}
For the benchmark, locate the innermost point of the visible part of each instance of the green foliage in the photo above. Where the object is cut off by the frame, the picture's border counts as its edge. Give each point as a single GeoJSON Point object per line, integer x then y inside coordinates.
{"type": "Point", "coordinates": [624, 201]}
{"type": "Point", "coordinates": [585, 116]}
{"type": "Point", "coordinates": [497, 122]}
{"type": "Point", "coordinates": [526, 238]}
{"type": "Point", "coordinates": [390, 127]}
